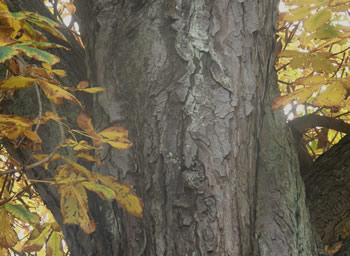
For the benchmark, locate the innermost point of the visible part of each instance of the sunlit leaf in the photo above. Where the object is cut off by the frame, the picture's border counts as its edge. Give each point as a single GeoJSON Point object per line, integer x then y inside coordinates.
{"type": "Point", "coordinates": [54, 245]}
{"type": "Point", "coordinates": [327, 31]}
{"type": "Point", "coordinates": [318, 19]}
{"type": "Point", "coordinates": [332, 96]}
{"type": "Point", "coordinates": [301, 96]}
{"type": "Point", "coordinates": [37, 240]}
{"type": "Point", "coordinates": [297, 14]}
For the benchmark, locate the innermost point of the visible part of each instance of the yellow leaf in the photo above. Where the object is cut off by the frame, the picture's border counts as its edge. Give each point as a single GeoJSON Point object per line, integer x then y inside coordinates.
{"type": "Point", "coordinates": [16, 83]}
{"type": "Point", "coordinates": [59, 72]}
{"type": "Point", "coordinates": [297, 14]}
{"type": "Point", "coordinates": [332, 96]}
{"type": "Point", "coordinates": [125, 195]}
{"type": "Point", "coordinates": [17, 120]}
{"type": "Point", "coordinates": [39, 157]}
{"type": "Point", "coordinates": [79, 169]}
{"type": "Point", "coordinates": [74, 207]}
{"type": "Point", "coordinates": [301, 96]}
{"type": "Point", "coordinates": [54, 245]}
{"type": "Point", "coordinates": [103, 191]}
{"type": "Point", "coordinates": [121, 144]}
{"type": "Point", "coordinates": [37, 240]}
{"type": "Point", "coordinates": [56, 94]}
{"type": "Point", "coordinates": [116, 137]}
{"type": "Point", "coordinates": [32, 136]}
{"type": "Point", "coordinates": [8, 237]}
{"type": "Point", "coordinates": [318, 19]}
{"type": "Point", "coordinates": [313, 80]}
{"type": "Point", "coordinates": [90, 158]}
{"type": "Point", "coordinates": [322, 63]}
{"type": "Point", "coordinates": [83, 145]}
{"type": "Point", "coordinates": [300, 62]}
{"type": "Point", "coordinates": [114, 132]}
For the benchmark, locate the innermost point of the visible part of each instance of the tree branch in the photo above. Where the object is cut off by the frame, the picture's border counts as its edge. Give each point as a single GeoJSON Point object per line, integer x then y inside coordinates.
{"type": "Point", "coordinates": [311, 121]}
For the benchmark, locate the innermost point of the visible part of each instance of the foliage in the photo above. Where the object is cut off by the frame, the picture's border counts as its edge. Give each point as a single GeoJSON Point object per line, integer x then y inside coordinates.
{"type": "Point", "coordinates": [25, 225]}
{"type": "Point", "coordinates": [313, 65]}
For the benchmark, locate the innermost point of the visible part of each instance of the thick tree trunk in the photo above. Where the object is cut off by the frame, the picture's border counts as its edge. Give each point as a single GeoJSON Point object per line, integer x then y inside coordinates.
{"type": "Point", "coordinates": [193, 82]}
{"type": "Point", "coordinates": [328, 189]}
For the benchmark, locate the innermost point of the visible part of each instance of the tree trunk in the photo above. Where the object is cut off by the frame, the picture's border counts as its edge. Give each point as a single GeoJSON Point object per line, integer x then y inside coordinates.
{"type": "Point", "coordinates": [328, 190]}
{"type": "Point", "coordinates": [193, 82]}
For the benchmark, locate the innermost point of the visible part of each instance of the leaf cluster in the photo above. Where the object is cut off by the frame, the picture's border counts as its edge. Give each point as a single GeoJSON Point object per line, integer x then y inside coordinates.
{"type": "Point", "coordinates": [26, 226]}
{"type": "Point", "coordinates": [313, 65]}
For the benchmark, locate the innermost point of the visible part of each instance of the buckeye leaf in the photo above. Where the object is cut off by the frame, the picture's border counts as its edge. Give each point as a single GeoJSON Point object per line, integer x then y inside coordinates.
{"type": "Point", "coordinates": [56, 94]}
{"type": "Point", "coordinates": [318, 19]}
{"type": "Point", "coordinates": [21, 213]}
{"type": "Point", "coordinates": [16, 83]}
{"type": "Point", "coordinates": [36, 53]}
{"type": "Point", "coordinates": [103, 191]}
{"type": "Point", "coordinates": [8, 237]}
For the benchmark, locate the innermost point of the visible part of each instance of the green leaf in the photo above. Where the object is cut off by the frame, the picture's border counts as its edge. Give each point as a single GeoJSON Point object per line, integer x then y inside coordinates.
{"type": "Point", "coordinates": [46, 24]}
{"type": "Point", "coordinates": [43, 45]}
{"type": "Point", "coordinates": [37, 54]}
{"type": "Point", "coordinates": [327, 31]}
{"type": "Point", "coordinates": [6, 53]}
{"type": "Point", "coordinates": [21, 213]}
{"type": "Point", "coordinates": [103, 191]}
{"type": "Point", "coordinates": [318, 19]}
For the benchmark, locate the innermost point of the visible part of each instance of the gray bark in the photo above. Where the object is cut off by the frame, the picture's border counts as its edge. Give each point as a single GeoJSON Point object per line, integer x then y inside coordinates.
{"type": "Point", "coordinates": [193, 82]}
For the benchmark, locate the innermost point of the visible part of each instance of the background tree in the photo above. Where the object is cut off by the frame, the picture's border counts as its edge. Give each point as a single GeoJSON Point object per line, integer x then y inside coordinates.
{"type": "Point", "coordinates": [193, 82]}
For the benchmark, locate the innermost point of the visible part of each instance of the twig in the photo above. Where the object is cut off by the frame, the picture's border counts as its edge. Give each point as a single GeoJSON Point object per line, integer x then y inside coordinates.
{"type": "Point", "coordinates": [16, 195]}
{"type": "Point", "coordinates": [3, 186]}
{"type": "Point", "coordinates": [50, 156]}
{"type": "Point", "coordinates": [40, 107]}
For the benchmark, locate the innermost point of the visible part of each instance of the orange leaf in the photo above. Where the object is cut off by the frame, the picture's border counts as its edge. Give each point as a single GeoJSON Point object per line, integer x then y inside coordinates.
{"type": "Point", "coordinates": [84, 123]}
{"type": "Point", "coordinates": [83, 85]}
{"type": "Point", "coordinates": [32, 136]}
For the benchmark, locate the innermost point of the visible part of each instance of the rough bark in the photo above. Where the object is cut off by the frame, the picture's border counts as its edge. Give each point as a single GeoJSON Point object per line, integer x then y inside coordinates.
{"type": "Point", "coordinates": [328, 191]}
{"type": "Point", "coordinates": [193, 82]}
